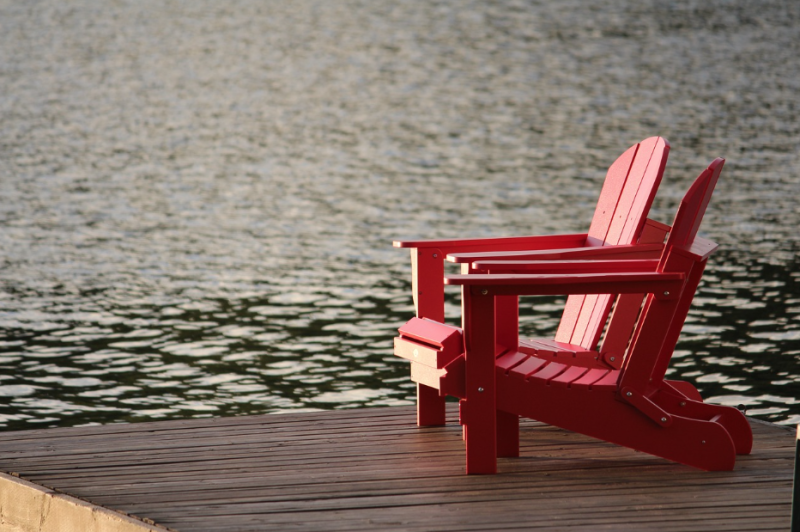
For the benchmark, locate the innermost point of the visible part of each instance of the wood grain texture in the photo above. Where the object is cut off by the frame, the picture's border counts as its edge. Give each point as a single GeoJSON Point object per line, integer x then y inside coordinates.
{"type": "Point", "coordinates": [375, 469]}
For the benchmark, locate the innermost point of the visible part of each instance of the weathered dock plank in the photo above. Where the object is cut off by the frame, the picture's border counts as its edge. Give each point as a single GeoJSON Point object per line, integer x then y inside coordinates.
{"type": "Point", "coordinates": [374, 469]}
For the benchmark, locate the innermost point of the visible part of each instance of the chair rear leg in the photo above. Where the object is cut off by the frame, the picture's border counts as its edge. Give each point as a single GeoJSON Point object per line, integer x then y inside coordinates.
{"type": "Point", "coordinates": [507, 339]}
{"type": "Point", "coordinates": [686, 389]}
{"type": "Point", "coordinates": [507, 434]}
{"type": "Point", "coordinates": [731, 419]}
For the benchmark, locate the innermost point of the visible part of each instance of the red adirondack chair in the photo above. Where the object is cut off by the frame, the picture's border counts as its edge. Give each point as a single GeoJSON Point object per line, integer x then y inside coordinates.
{"type": "Point", "coordinates": [633, 405]}
{"type": "Point", "coordinates": [619, 229]}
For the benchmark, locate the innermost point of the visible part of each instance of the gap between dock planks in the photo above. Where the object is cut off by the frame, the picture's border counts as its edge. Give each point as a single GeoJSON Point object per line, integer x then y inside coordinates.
{"type": "Point", "coordinates": [370, 469]}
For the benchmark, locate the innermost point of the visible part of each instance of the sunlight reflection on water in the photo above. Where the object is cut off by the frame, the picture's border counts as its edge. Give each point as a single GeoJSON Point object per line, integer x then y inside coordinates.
{"type": "Point", "coordinates": [197, 201]}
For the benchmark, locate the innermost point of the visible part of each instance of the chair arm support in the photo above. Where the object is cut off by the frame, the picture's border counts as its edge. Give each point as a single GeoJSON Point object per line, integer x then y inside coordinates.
{"type": "Point", "coordinates": [566, 266]}
{"type": "Point", "coordinates": [661, 285]}
{"type": "Point", "coordinates": [654, 231]}
{"type": "Point", "coordinates": [627, 251]}
{"type": "Point", "coordinates": [427, 263]}
{"type": "Point", "coordinates": [702, 248]}
{"type": "Point", "coordinates": [518, 243]}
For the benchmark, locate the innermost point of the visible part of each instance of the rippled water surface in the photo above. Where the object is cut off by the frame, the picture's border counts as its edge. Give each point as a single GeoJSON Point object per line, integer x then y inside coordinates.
{"type": "Point", "coordinates": [197, 199]}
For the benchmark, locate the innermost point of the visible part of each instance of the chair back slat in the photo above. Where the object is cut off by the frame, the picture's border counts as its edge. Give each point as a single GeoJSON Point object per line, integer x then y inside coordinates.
{"type": "Point", "coordinates": [638, 194]}
{"type": "Point", "coordinates": [661, 322]}
{"type": "Point", "coordinates": [693, 207]}
{"type": "Point", "coordinates": [610, 194]}
{"type": "Point", "coordinates": [628, 192]}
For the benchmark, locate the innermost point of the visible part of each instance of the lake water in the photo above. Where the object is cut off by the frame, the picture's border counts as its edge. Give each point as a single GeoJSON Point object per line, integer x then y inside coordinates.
{"type": "Point", "coordinates": [197, 199]}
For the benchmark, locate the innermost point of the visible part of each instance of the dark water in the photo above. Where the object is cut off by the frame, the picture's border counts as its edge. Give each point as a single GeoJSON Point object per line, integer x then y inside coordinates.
{"type": "Point", "coordinates": [197, 200]}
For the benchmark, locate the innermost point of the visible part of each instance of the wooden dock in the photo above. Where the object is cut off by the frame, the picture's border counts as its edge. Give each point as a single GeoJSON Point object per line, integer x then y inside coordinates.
{"type": "Point", "coordinates": [373, 469]}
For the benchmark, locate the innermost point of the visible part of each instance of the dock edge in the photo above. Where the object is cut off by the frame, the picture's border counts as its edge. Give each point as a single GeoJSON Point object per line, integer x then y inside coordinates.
{"type": "Point", "coordinates": [29, 507]}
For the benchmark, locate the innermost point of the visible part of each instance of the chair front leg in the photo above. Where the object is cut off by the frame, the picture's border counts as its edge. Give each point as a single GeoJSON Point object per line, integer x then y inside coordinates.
{"type": "Point", "coordinates": [427, 284]}
{"type": "Point", "coordinates": [479, 410]}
